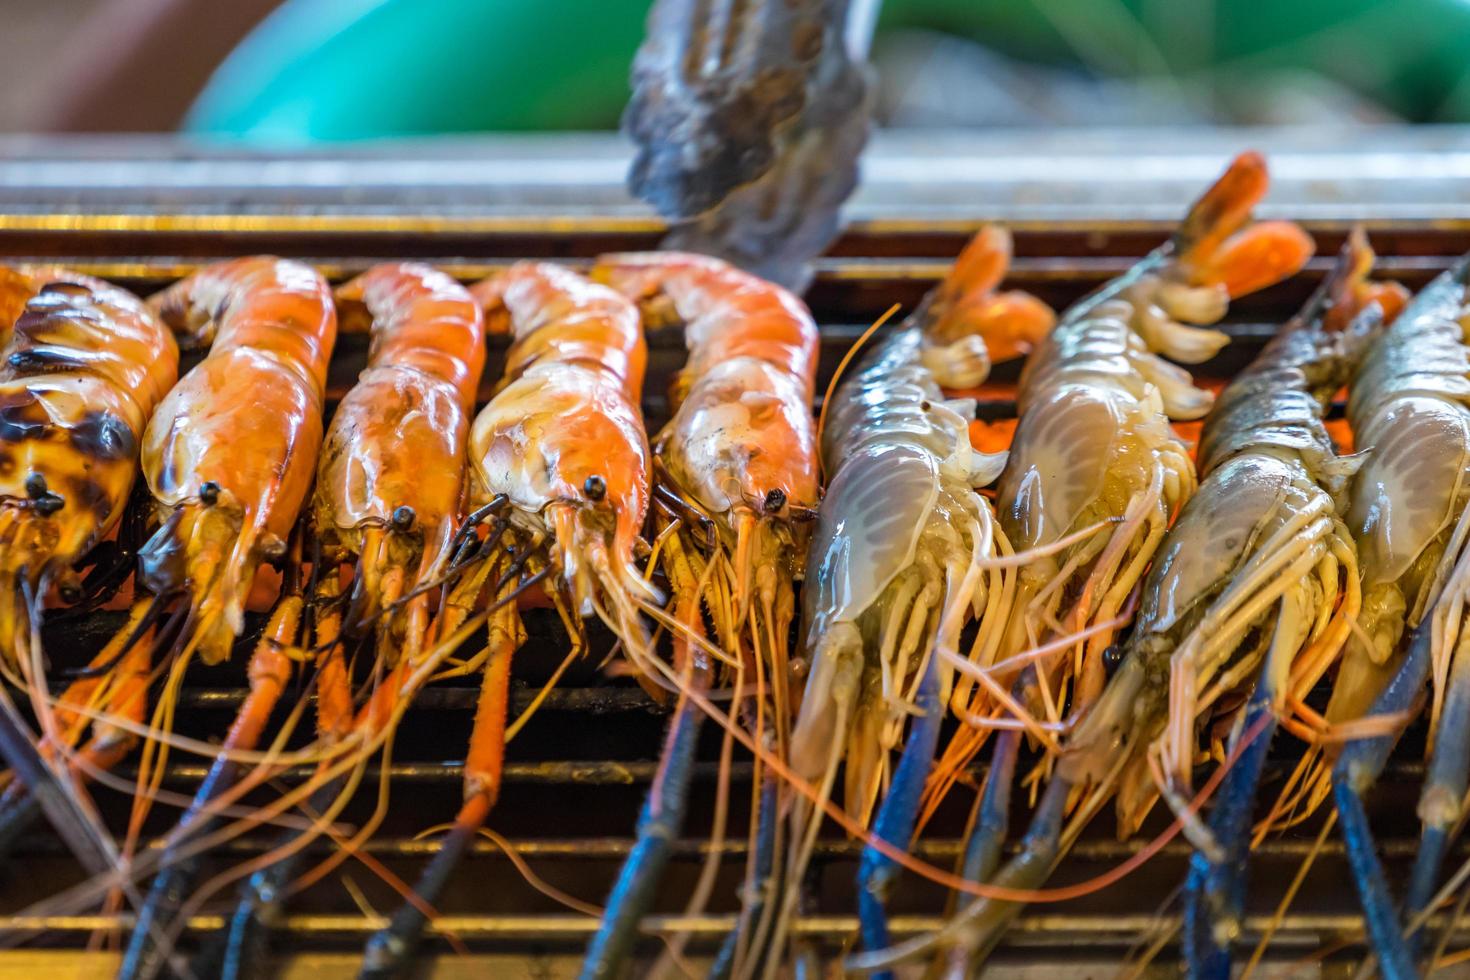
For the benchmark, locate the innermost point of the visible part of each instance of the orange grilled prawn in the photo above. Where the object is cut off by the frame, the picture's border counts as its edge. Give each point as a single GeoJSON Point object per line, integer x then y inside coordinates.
{"type": "Point", "coordinates": [85, 364]}
{"type": "Point", "coordinates": [386, 505]}
{"type": "Point", "coordinates": [230, 454]}
{"type": "Point", "coordinates": [558, 464]}
{"type": "Point", "coordinates": [229, 457]}
{"type": "Point", "coordinates": [737, 480]}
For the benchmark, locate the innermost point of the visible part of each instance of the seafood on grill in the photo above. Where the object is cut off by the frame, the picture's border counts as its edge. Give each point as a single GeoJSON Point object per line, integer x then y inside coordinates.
{"type": "Point", "coordinates": [85, 365]}
{"type": "Point", "coordinates": [385, 510]}
{"type": "Point", "coordinates": [1410, 410]}
{"type": "Point", "coordinates": [904, 557]}
{"type": "Point", "coordinates": [558, 476]}
{"type": "Point", "coordinates": [1275, 488]}
{"type": "Point", "coordinates": [229, 455]}
{"type": "Point", "coordinates": [1093, 449]}
{"type": "Point", "coordinates": [735, 488]}
{"type": "Point", "coordinates": [1095, 395]}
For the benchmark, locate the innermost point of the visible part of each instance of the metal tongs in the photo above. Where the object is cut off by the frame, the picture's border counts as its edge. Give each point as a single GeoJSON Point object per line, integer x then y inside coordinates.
{"type": "Point", "coordinates": [749, 117]}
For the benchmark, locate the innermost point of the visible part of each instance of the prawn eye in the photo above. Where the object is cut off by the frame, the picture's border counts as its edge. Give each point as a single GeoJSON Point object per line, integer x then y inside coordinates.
{"type": "Point", "coordinates": [595, 487]}
{"type": "Point", "coordinates": [403, 517]}
{"type": "Point", "coordinates": [1112, 656]}
{"type": "Point", "coordinates": [775, 500]}
{"type": "Point", "coordinates": [925, 406]}
{"type": "Point", "coordinates": [48, 504]}
{"type": "Point", "coordinates": [209, 493]}
{"type": "Point", "coordinates": [36, 486]}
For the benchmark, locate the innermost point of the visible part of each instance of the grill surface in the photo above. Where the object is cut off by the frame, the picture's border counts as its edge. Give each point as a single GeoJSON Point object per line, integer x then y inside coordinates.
{"type": "Point", "coordinates": [143, 214]}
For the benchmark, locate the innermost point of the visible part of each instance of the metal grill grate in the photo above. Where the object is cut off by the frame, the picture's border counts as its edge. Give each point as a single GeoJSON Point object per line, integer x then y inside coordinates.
{"type": "Point", "coordinates": [578, 772]}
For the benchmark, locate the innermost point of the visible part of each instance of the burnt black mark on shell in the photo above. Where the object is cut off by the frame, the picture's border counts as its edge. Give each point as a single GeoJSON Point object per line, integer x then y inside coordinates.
{"type": "Point", "coordinates": [22, 417]}
{"type": "Point", "coordinates": [104, 436]}
{"type": "Point", "coordinates": [89, 494]}
{"type": "Point", "coordinates": [45, 359]}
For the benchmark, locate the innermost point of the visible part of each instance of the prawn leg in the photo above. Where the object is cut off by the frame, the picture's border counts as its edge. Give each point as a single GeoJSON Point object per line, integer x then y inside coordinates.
{"type": "Point", "coordinates": [242, 948]}
{"type": "Point", "coordinates": [388, 951]}
{"type": "Point", "coordinates": [269, 671]}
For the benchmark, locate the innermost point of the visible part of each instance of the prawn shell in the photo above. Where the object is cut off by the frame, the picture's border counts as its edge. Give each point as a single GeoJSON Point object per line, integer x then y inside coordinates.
{"type": "Point", "coordinates": [1059, 460]}
{"type": "Point", "coordinates": [872, 516]}
{"type": "Point", "coordinates": [1418, 450]}
{"type": "Point", "coordinates": [1238, 504]}
{"type": "Point", "coordinates": [558, 316]}
{"type": "Point", "coordinates": [243, 420]}
{"type": "Point", "coordinates": [744, 430]}
{"type": "Point", "coordinates": [549, 430]}
{"type": "Point", "coordinates": [84, 365]}
{"type": "Point", "coordinates": [1408, 408]}
{"type": "Point", "coordinates": [396, 439]}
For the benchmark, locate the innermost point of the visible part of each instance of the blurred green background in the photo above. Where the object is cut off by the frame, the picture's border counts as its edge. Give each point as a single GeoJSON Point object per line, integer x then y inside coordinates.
{"type": "Point", "coordinates": [302, 70]}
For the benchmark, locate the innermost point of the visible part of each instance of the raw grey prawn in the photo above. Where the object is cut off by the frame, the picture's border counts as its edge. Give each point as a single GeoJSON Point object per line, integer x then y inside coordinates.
{"type": "Point", "coordinates": [1093, 446]}
{"type": "Point", "coordinates": [735, 488]}
{"type": "Point", "coordinates": [899, 562]}
{"type": "Point", "coordinates": [1093, 442]}
{"type": "Point", "coordinates": [558, 470]}
{"type": "Point", "coordinates": [1410, 411]}
{"type": "Point", "coordinates": [1268, 524]}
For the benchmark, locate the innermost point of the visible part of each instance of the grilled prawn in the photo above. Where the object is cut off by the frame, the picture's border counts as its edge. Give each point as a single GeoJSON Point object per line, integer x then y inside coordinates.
{"type": "Point", "coordinates": [85, 365]}
{"type": "Point", "coordinates": [229, 456]}
{"type": "Point", "coordinates": [386, 506]}
{"type": "Point", "coordinates": [559, 467]}
{"type": "Point", "coordinates": [736, 482]}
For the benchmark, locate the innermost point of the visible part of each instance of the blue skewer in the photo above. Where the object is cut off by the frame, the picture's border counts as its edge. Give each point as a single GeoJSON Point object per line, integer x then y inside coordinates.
{"type": "Point", "coordinates": [765, 860]}
{"type": "Point", "coordinates": [1356, 770]}
{"type": "Point", "coordinates": [1446, 780]}
{"type": "Point", "coordinates": [1215, 893]}
{"type": "Point", "coordinates": [659, 825]}
{"type": "Point", "coordinates": [987, 837]}
{"type": "Point", "coordinates": [899, 813]}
